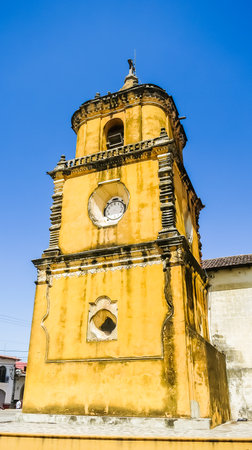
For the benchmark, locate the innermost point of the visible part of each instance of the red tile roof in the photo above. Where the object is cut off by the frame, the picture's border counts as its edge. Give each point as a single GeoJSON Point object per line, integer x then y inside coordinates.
{"type": "Point", "coordinates": [227, 261]}
{"type": "Point", "coordinates": [21, 365]}
{"type": "Point", "coordinates": [9, 357]}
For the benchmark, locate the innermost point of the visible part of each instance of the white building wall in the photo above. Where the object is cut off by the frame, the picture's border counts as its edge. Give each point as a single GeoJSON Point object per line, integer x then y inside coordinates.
{"type": "Point", "coordinates": [7, 387]}
{"type": "Point", "coordinates": [230, 320]}
{"type": "Point", "coordinates": [19, 383]}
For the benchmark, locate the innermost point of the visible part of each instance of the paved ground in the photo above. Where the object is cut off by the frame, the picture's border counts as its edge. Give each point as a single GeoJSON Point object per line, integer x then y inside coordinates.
{"type": "Point", "coordinates": [11, 421]}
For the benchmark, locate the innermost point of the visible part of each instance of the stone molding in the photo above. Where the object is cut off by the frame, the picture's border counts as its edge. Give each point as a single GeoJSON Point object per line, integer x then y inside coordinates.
{"type": "Point", "coordinates": [95, 334]}
{"type": "Point", "coordinates": [167, 251]}
{"type": "Point", "coordinates": [166, 194]}
{"type": "Point", "coordinates": [176, 251]}
{"type": "Point", "coordinates": [113, 157]}
{"type": "Point", "coordinates": [96, 260]}
{"type": "Point", "coordinates": [55, 217]}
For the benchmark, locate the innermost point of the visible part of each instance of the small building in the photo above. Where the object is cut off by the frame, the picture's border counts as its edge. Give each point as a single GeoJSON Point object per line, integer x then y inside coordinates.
{"type": "Point", "coordinates": [7, 376]}
{"type": "Point", "coordinates": [230, 320]}
{"type": "Point", "coordinates": [20, 373]}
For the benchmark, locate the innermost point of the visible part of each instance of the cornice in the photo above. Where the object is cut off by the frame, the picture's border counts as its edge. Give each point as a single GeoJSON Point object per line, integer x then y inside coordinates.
{"type": "Point", "coordinates": [100, 259]}
{"type": "Point", "coordinates": [179, 253]}
{"type": "Point", "coordinates": [169, 251]}
{"type": "Point", "coordinates": [114, 157]}
{"type": "Point", "coordinates": [140, 94]}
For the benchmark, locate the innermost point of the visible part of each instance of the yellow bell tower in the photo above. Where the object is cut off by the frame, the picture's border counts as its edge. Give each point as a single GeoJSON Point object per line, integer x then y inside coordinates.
{"type": "Point", "coordinates": [120, 318]}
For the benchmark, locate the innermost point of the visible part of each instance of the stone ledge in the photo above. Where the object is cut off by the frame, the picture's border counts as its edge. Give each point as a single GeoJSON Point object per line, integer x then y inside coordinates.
{"type": "Point", "coordinates": [135, 423]}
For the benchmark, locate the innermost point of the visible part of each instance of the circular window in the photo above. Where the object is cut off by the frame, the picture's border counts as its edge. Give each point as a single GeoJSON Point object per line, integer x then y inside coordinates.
{"type": "Point", "coordinates": [108, 203]}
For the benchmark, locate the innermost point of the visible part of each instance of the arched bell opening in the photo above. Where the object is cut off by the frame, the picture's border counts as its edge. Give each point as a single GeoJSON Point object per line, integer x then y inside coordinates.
{"type": "Point", "coordinates": [114, 133]}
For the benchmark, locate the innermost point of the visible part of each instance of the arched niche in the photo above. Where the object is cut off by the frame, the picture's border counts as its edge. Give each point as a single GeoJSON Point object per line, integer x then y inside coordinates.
{"type": "Point", "coordinates": [108, 203]}
{"type": "Point", "coordinates": [113, 134]}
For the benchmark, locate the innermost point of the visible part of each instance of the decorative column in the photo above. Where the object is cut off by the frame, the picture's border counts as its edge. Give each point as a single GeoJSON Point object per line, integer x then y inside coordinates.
{"type": "Point", "coordinates": [57, 175]}
{"type": "Point", "coordinates": [166, 195]}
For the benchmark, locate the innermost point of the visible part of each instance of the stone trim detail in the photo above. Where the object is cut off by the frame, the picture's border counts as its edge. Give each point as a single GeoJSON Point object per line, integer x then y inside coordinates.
{"type": "Point", "coordinates": [170, 251]}
{"type": "Point", "coordinates": [95, 334]}
{"type": "Point", "coordinates": [166, 195]}
{"type": "Point", "coordinates": [113, 157]}
{"type": "Point", "coordinates": [55, 216]}
{"type": "Point", "coordinates": [97, 260]}
{"type": "Point", "coordinates": [109, 360]}
{"type": "Point", "coordinates": [176, 251]}
{"type": "Point", "coordinates": [150, 149]}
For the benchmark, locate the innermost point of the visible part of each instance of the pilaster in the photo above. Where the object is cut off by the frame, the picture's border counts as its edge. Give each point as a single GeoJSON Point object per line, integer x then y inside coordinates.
{"type": "Point", "coordinates": [56, 208]}
{"type": "Point", "coordinates": [167, 197]}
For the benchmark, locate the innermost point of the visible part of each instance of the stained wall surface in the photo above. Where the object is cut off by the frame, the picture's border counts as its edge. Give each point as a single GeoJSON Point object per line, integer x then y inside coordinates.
{"type": "Point", "coordinates": [140, 123]}
{"type": "Point", "coordinates": [230, 313]}
{"type": "Point", "coordinates": [40, 442]}
{"type": "Point", "coordinates": [135, 382]}
{"type": "Point", "coordinates": [140, 223]}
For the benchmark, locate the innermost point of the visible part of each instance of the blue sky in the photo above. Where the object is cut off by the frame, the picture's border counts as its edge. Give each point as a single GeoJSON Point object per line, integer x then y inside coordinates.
{"type": "Point", "coordinates": [57, 54]}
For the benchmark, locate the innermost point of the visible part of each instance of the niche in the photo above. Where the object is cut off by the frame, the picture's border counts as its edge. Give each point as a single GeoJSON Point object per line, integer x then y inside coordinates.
{"type": "Point", "coordinates": [108, 203]}
{"type": "Point", "coordinates": [102, 320]}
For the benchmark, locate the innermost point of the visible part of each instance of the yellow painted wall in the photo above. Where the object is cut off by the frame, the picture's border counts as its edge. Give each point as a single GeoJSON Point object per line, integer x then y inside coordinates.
{"type": "Point", "coordinates": [140, 123]}
{"type": "Point", "coordinates": [153, 119]}
{"type": "Point", "coordinates": [140, 318]}
{"type": "Point", "coordinates": [41, 441]}
{"type": "Point", "coordinates": [140, 223]}
{"type": "Point", "coordinates": [183, 206]}
{"type": "Point", "coordinates": [133, 125]}
{"type": "Point", "coordinates": [199, 367]}
{"type": "Point", "coordinates": [126, 387]}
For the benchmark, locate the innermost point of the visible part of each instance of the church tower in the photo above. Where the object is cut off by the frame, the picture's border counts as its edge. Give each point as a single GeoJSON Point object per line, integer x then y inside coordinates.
{"type": "Point", "coordinates": [120, 323]}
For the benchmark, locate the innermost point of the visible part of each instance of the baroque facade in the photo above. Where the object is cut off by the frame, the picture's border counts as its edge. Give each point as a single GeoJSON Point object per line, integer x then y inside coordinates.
{"type": "Point", "coordinates": [120, 324]}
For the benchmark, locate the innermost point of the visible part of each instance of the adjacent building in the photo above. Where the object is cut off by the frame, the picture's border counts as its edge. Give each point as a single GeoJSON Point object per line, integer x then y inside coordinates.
{"type": "Point", "coordinates": [7, 377]}
{"type": "Point", "coordinates": [230, 320]}
{"type": "Point", "coordinates": [20, 374]}
{"type": "Point", "coordinates": [12, 380]}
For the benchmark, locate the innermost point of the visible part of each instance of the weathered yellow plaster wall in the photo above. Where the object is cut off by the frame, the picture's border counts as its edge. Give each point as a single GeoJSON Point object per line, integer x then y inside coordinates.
{"type": "Point", "coordinates": [153, 119]}
{"type": "Point", "coordinates": [193, 363]}
{"type": "Point", "coordinates": [93, 135]}
{"type": "Point", "coordinates": [140, 223]}
{"type": "Point", "coordinates": [133, 126]}
{"type": "Point", "coordinates": [14, 441]}
{"type": "Point", "coordinates": [183, 207]}
{"type": "Point", "coordinates": [125, 387]}
{"type": "Point", "coordinates": [81, 140]}
{"type": "Point", "coordinates": [140, 123]}
{"type": "Point", "coordinates": [180, 362]}
{"type": "Point", "coordinates": [140, 317]}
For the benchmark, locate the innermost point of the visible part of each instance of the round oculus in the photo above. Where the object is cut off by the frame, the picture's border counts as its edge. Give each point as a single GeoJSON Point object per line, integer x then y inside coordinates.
{"type": "Point", "coordinates": [115, 208]}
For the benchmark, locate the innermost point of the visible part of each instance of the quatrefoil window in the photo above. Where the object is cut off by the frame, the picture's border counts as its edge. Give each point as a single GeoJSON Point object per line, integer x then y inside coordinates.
{"type": "Point", "coordinates": [102, 320]}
